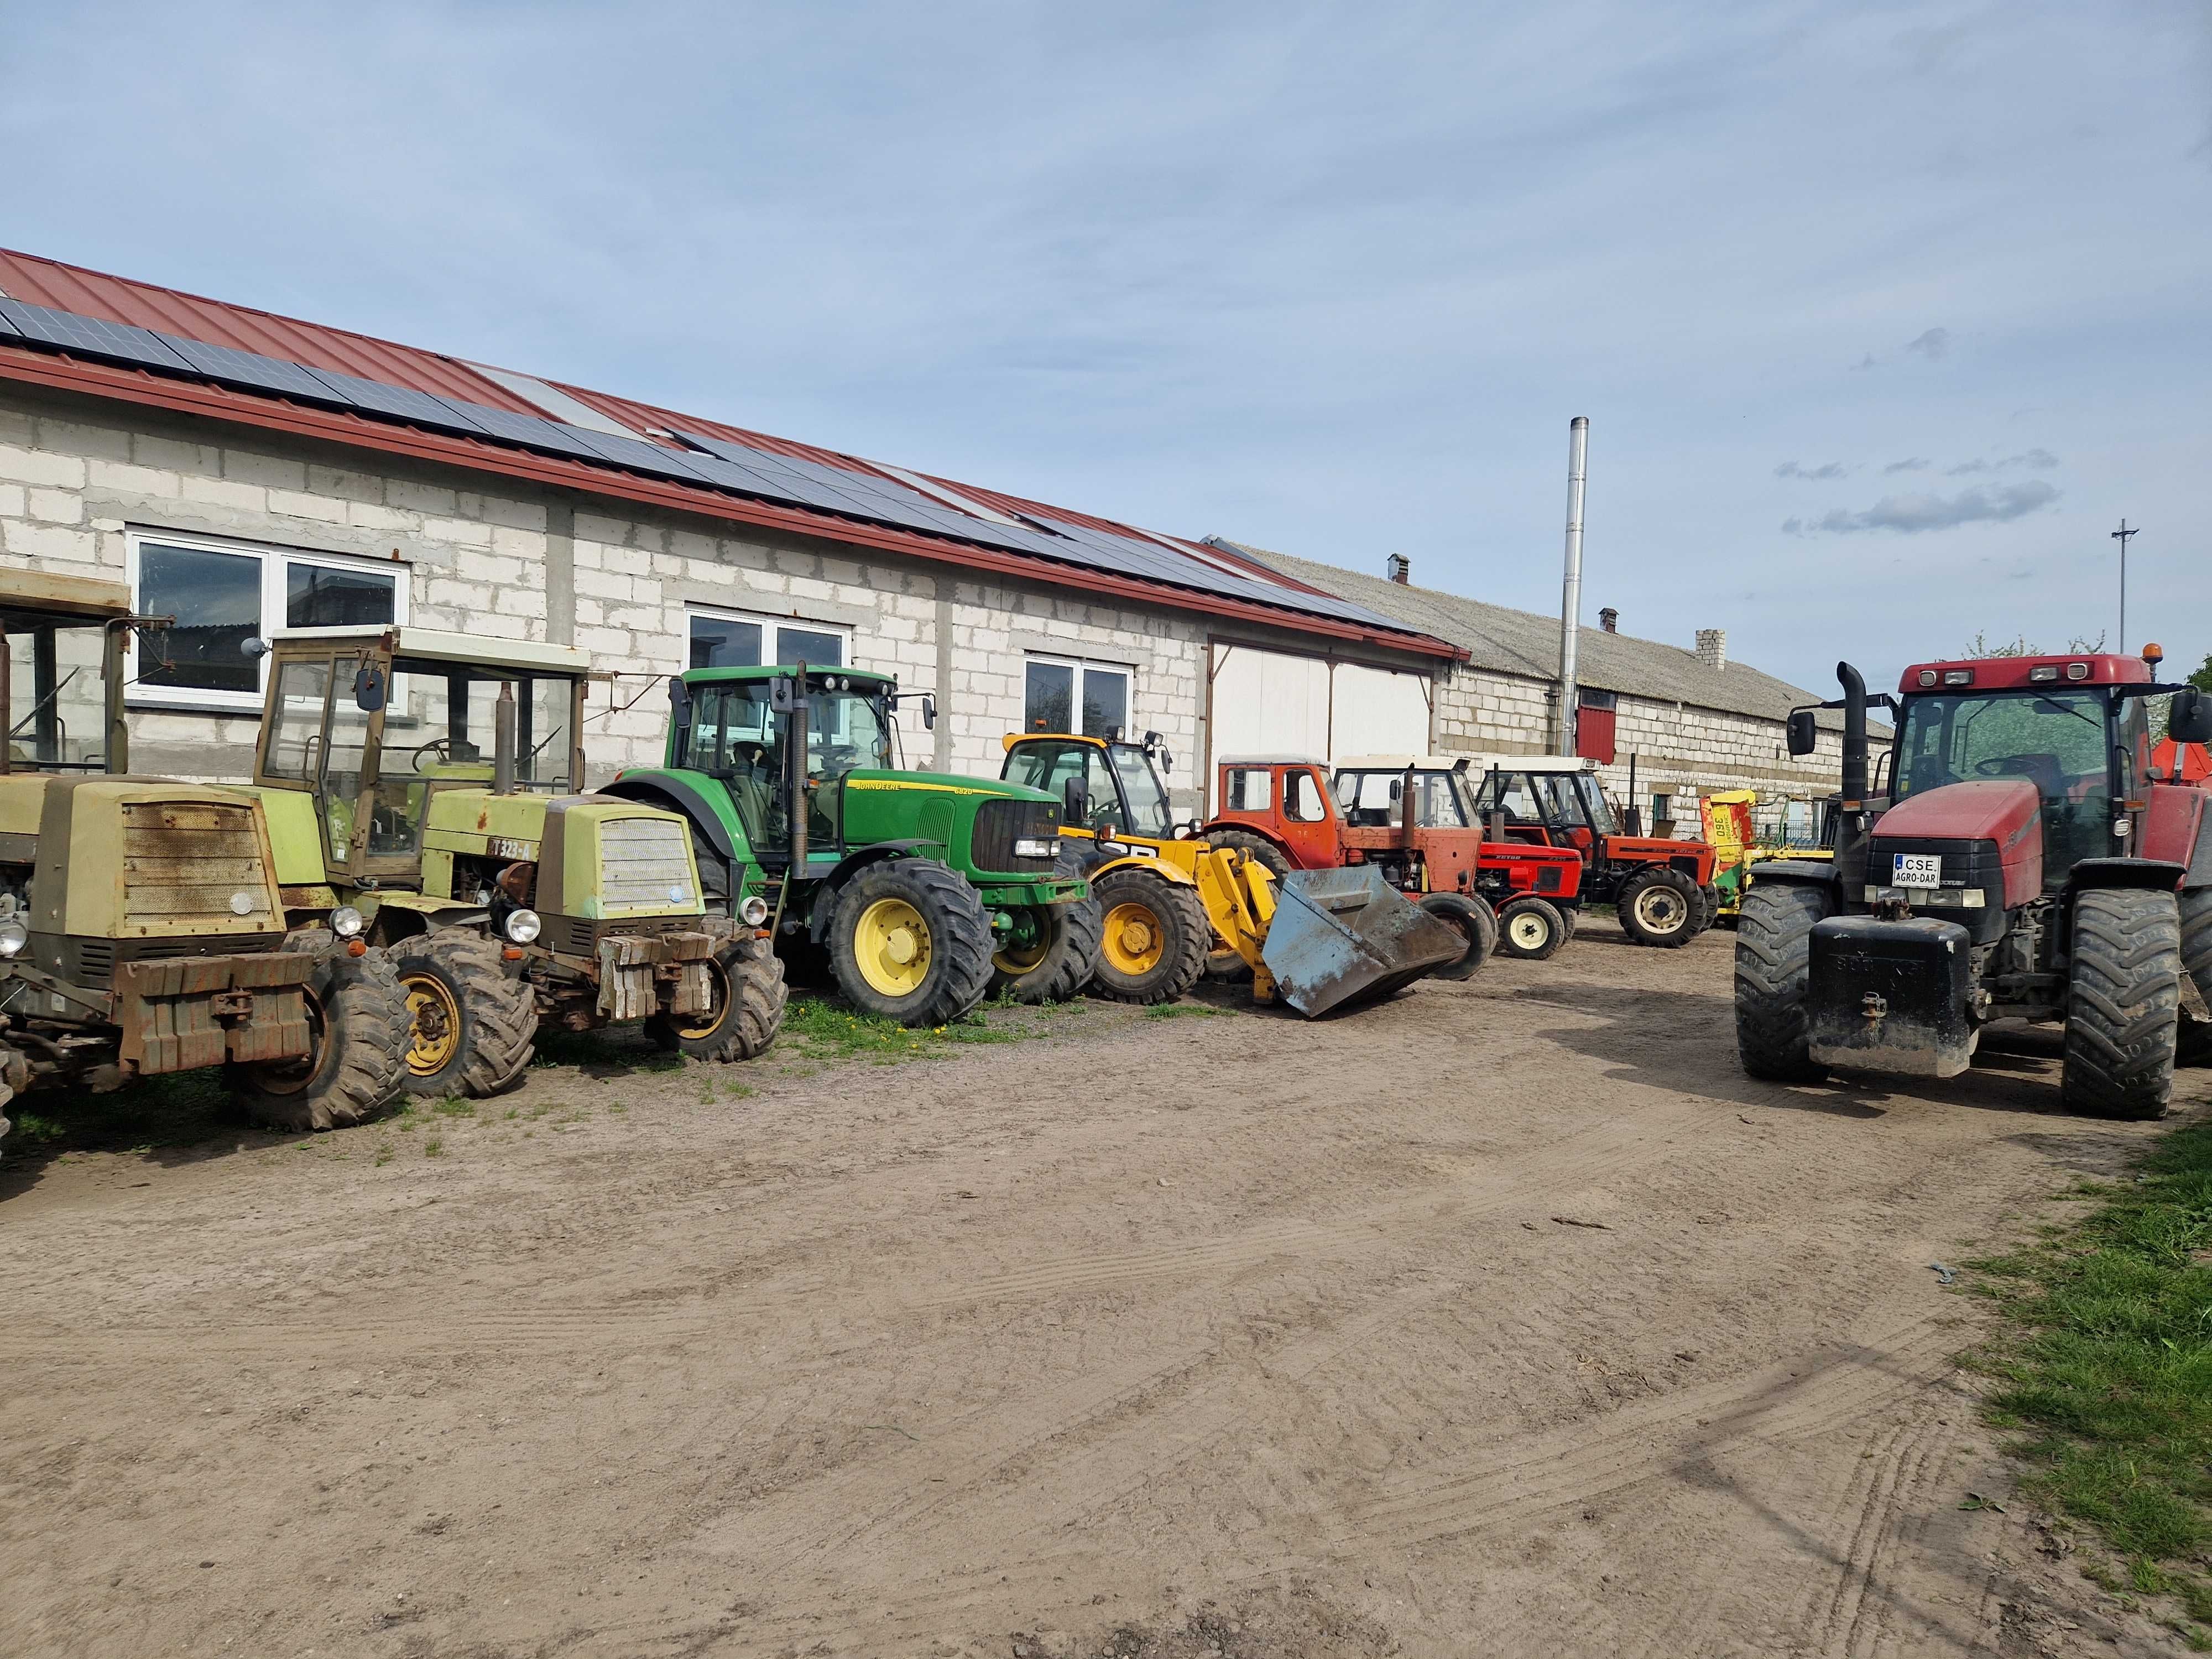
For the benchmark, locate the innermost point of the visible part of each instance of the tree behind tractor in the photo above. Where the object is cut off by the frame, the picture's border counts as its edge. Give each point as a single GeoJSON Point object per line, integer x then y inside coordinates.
{"type": "Point", "coordinates": [921, 892]}
{"type": "Point", "coordinates": [141, 929]}
{"type": "Point", "coordinates": [2036, 865]}
{"type": "Point", "coordinates": [421, 786]}
{"type": "Point", "coordinates": [1661, 890]}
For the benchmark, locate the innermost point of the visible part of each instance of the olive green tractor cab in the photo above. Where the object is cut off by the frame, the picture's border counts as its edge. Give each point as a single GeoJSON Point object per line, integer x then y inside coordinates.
{"type": "Point", "coordinates": [922, 892]}
{"type": "Point", "coordinates": [424, 793]}
{"type": "Point", "coordinates": [141, 931]}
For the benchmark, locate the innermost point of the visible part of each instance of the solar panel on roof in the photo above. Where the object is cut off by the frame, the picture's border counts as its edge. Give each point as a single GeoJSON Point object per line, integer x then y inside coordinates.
{"type": "Point", "coordinates": [532, 431]}
{"type": "Point", "coordinates": [249, 369]}
{"type": "Point", "coordinates": [637, 454]}
{"type": "Point", "coordinates": [398, 402]}
{"type": "Point", "coordinates": [92, 336]}
{"type": "Point", "coordinates": [6, 327]}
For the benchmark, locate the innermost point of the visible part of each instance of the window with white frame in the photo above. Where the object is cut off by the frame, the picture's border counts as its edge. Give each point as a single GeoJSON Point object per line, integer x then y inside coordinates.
{"type": "Point", "coordinates": [1059, 690]}
{"type": "Point", "coordinates": [223, 594]}
{"type": "Point", "coordinates": [733, 639]}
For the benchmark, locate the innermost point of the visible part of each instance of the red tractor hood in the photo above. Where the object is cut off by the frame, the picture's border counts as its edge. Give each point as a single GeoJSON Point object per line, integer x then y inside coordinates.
{"type": "Point", "coordinates": [2007, 811]}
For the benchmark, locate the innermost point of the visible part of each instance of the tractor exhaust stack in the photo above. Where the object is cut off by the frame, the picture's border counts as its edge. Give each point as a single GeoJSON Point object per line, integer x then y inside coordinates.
{"type": "Point", "coordinates": [1851, 814]}
{"type": "Point", "coordinates": [1570, 596]}
{"type": "Point", "coordinates": [503, 740]}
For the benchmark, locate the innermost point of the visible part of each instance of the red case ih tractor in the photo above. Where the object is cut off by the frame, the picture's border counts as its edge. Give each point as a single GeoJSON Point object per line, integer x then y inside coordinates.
{"type": "Point", "coordinates": [2036, 864]}
{"type": "Point", "coordinates": [1661, 890]}
{"type": "Point", "coordinates": [1281, 811]}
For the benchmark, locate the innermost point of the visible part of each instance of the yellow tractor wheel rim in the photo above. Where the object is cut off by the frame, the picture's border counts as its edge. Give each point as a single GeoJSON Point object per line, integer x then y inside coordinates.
{"type": "Point", "coordinates": [1135, 941]}
{"type": "Point", "coordinates": [433, 1024]}
{"type": "Point", "coordinates": [718, 977]}
{"type": "Point", "coordinates": [890, 944]}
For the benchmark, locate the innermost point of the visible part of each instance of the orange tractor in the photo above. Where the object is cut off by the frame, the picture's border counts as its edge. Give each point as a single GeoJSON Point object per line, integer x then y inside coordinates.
{"type": "Point", "coordinates": [1412, 816]}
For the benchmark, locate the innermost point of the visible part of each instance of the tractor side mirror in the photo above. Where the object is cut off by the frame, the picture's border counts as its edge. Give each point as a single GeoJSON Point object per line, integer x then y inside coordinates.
{"type": "Point", "coordinates": [1074, 802]}
{"type": "Point", "coordinates": [1804, 731]}
{"type": "Point", "coordinates": [783, 694]}
{"type": "Point", "coordinates": [253, 649]}
{"type": "Point", "coordinates": [368, 688]}
{"type": "Point", "coordinates": [928, 713]}
{"type": "Point", "coordinates": [2189, 717]}
{"type": "Point", "coordinates": [679, 700]}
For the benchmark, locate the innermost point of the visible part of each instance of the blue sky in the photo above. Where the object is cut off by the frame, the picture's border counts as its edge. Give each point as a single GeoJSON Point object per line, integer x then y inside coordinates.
{"type": "Point", "coordinates": [1882, 315]}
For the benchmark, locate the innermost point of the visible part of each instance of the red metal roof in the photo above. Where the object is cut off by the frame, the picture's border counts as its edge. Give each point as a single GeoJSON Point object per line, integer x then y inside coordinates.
{"type": "Point", "coordinates": [43, 282]}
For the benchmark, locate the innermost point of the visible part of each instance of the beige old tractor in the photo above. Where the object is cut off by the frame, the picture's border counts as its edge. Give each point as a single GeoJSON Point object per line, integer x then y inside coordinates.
{"type": "Point", "coordinates": [141, 929]}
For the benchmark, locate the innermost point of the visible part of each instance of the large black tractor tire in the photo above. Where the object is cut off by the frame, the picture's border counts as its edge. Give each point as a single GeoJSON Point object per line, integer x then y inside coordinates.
{"type": "Point", "coordinates": [2123, 993]}
{"type": "Point", "coordinates": [1659, 907]}
{"type": "Point", "coordinates": [474, 1029]}
{"type": "Point", "coordinates": [1246, 841]}
{"type": "Point", "coordinates": [1058, 961]}
{"type": "Point", "coordinates": [358, 1016]}
{"type": "Point", "coordinates": [1530, 928]}
{"type": "Point", "coordinates": [1152, 947]}
{"type": "Point", "coordinates": [2193, 1046]}
{"type": "Point", "coordinates": [1708, 907]}
{"type": "Point", "coordinates": [938, 971]}
{"type": "Point", "coordinates": [1773, 963]}
{"type": "Point", "coordinates": [1569, 913]}
{"type": "Point", "coordinates": [750, 999]}
{"type": "Point", "coordinates": [1473, 920]}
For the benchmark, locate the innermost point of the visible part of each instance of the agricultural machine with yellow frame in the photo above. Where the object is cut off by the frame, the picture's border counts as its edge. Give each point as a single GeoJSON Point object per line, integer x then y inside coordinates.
{"type": "Point", "coordinates": [423, 794]}
{"type": "Point", "coordinates": [142, 930]}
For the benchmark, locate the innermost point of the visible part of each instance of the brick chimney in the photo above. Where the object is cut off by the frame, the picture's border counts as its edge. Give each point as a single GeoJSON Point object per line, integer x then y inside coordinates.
{"type": "Point", "coordinates": [1609, 620]}
{"type": "Point", "coordinates": [1712, 648]}
{"type": "Point", "coordinates": [1399, 568]}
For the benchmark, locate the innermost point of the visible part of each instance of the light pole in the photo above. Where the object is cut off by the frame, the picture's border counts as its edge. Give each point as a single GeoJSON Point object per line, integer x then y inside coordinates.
{"type": "Point", "coordinates": [2121, 536]}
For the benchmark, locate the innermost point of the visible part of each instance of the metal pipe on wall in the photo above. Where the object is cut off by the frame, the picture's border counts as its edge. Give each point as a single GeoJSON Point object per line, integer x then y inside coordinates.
{"type": "Point", "coordinates": [1571, 598]}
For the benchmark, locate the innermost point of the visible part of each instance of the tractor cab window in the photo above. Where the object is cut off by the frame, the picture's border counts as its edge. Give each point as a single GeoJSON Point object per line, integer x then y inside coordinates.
{"type": "Point", "coordinates": [1303, 800]}
{"type": "Point", "coordinates": [1251, 789]}
{"type": "Point", "coordinates": [736, 735]}
{"type": "Point", "coordinates": [1596, 808]}
{"type": "Point", "coordinates": [1142, 793]}
{"type": "Point", "coordinates": [1508, 793]}
{"type": "Point", "coordinates": [1562, 801]}
{"type": "Point", "coordinates": [2061, 741]}
{"type": "Point", "coordinates": [1371, 800]}
{"type": "Point", "coordinates": [1048, 766]}
{"type": "Point", "coordinates": [58, 695]}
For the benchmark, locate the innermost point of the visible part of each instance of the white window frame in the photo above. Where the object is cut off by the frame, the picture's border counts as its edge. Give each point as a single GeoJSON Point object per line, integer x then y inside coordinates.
{"type": "Point", "coordinates": [768, 624]}
{"type": "Point", "coordinates": [1082, 666]}
{"type": "Point", "coordinates": [275, 560]}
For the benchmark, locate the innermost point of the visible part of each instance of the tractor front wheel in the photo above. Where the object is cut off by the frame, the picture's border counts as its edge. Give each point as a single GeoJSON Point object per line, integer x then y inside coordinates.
{"type": "Point", "coordinates": [1531, 929]}
{"type": "Point", "coordinates": [1051, 953]}
{"type": "Point", "coordinates": [1153, 947]}
{"type": "Point", "coordinates": [746, 1013]}
{"type": "Point", "coordinates": [2123, 993]}
{"type": "Point", "coordinates": [909, 941]}
{"type": "Point", "coordinates": [473, 1029]}
{"type": "Point", "coordinates": [1773, 966]}
{"type": "Point", "coordinates": [1473, 920]}
{"type": "Point", "coordinates": [1659, 907]}
{"type": "Point", "coordinates": [357, 1023]}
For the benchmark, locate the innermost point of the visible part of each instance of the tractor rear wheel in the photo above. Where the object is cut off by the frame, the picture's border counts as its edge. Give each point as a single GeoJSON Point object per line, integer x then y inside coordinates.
{"type": "Point", "coordinates": [1530, 928]}
{"type": "Point", "coordinates": [908, 942]}
{"type": "Point", "coordinates": [1473, 921]}
{"type": "Point", "coordinates": [357, 1017]}
{"type": "Point", "coordinates": [474, 1029]}
{"type": "Point", "coordinates": [2193, 1046]}
{"type": "Point", "coordinates": [1773, 963]}
{"type": "Point", "coordinates": [1709, 907]}
{"type": "Point", "coordinates": [2123, 994]}
{"type": "Point", "coordinates": [1659, 907]}
{"type": "Point", "coordinates": [1153, 948]}
{"type": "Point", "coordinates": [747, 1011]}
{"type": "Point", "coordinates": [1245, 840]}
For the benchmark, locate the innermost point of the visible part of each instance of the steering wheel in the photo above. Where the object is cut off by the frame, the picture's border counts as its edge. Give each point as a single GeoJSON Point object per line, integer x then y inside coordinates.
{"type": "Point", "coordinates": [2002, 766]}
{"type": "Point", "coordinates": [439, 748]}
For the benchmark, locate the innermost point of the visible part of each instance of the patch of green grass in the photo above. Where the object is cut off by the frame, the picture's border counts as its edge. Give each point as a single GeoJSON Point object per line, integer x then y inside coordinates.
{"type": "Point", "coordinates": [2105, 1373]}
{"type": "Point", "coordinates": [455, 1106]}
{"type": "Point", "coordinates": [739, 1090]}
{"type": "Point", "coordinates": [433, 1146]}
{"type": "Point", "coordinates": [822, 1030]}
{"type": "Point", "coordinates": [1182, 1010]}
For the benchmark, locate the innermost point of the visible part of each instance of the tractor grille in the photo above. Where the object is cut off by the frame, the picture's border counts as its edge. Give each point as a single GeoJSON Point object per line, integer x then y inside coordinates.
{"type": "Point", "coordinates": [645, 862]}
{"type": "Point", "coordinates": [183, 861]}
{"type": "Point", "coordinates": [1000, 823]}
{"type": "Point", "coordinates": [580, 936]}
{"type": "Point", "coordinates": [91, 961]}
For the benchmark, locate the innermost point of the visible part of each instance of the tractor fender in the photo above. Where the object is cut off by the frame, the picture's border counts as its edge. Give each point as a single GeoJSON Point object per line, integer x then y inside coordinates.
{"type": "Point", "coordinates": [417, 913]}
{"type": "Point", "coordinates": [1808, 872]}
{"type": "Point", "coordinates": [817, 924]}
{"type": "Point", "coordinates": [1164, 871]}
{"type": "Point", "coordinates": [678, 796]}
{"type": "Point", "coordinates": [2161, 874]}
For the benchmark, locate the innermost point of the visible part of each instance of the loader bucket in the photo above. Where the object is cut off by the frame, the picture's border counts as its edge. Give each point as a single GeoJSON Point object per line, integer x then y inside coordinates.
{"type": "Point", "coordinates": [1346, 935]}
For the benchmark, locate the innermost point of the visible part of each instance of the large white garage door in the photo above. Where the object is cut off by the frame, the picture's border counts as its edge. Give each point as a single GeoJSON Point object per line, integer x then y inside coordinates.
{"type": "Point", "coordinates": [1265, 703]}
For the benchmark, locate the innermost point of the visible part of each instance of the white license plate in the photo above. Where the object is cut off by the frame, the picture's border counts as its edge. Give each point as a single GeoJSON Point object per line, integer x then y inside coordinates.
{"type": "Point", "coordinates": [1916, 870]}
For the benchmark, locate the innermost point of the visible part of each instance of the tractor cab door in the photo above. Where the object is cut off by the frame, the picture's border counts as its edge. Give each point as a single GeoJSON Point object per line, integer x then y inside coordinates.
{"type": "Point", "coordinates": [1307, 817]}
{"type": "Point", "coordinates": [1049, 764]}
{"type": "Point", "coordinates": [1511, 796]}
{"type": "Point", "coordinates": [1566, 813]}
{"type": "Point", "coordinates": [316, 736]}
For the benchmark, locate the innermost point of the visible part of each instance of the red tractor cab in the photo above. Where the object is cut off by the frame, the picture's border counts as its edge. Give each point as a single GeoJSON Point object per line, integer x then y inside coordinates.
{"type": "Point", "coordinates": [1284, 810]}
{"type": "Point", "coordinates": [2021, 851]}
{"type": "Point", "coordinates": [1661, 890]}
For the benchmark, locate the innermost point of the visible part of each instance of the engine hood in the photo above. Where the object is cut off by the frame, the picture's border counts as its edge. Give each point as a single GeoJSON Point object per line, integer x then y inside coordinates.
{"type": "Point", "coordinates": [2002, 810]}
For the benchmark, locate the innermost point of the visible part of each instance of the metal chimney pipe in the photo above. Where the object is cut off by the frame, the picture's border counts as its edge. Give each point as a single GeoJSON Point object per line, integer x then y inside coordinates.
{"type": "Point", "coordinates": [503, 740]}
{"type": "Point", "coordinates": [1571, 598]}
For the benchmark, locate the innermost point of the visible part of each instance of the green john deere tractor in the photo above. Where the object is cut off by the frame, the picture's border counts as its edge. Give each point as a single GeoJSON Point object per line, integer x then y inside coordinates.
{"type": "Point", "coordinates": [921, 892]}
{"type": "Point", "coordinates": [421, 791]}
{"type": "Point", "coordinates": [141, 931]}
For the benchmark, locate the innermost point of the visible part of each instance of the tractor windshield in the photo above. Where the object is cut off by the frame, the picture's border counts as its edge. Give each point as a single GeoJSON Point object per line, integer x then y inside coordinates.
{"type": "Point", "coordinates": [737, 736]}
{"type": "Point", "coordinates": [1148, 799]}
{"type": "Point", "coordinates": [2061, 741]}
{"type": "Point", "coordinates": [56, 710]}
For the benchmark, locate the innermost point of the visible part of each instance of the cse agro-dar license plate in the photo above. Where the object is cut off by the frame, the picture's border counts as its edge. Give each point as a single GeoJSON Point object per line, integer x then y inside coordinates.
{"type": "Point", "coordinates": [1916, 870]}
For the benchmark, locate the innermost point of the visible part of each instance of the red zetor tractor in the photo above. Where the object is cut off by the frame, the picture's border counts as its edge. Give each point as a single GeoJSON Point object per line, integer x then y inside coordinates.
{"type": "Point", "coordinates": [2025, 859]}
{"type": "Point", "coordinates": [1280, 810]}
{"type": "Point", "coordinates": [1661, 890]}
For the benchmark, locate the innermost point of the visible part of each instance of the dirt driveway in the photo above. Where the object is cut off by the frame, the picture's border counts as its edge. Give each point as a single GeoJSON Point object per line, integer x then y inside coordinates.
{"type": "Point", "coordinates": [1506, 1319]}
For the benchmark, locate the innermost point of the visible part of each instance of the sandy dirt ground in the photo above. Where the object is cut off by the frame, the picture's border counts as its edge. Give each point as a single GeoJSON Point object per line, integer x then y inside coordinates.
{"type": "Point", "coordinates": [1507, 1319]}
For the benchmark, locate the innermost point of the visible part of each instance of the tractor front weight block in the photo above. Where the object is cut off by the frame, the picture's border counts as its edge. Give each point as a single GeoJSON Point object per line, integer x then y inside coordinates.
{"type": "Point", "coordinates": [1891, 996]}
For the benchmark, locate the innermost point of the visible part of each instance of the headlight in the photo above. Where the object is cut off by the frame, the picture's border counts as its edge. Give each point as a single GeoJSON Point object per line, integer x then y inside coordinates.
{"type": "Point", "coordinates": [523, 926]}
{"type": "Point", "coordinates": [347, 922]}
{"type": "Point", "coordinates": [14, 936]}
{"type": "Point", "coordinates": [1036, 849]}
{"type": "Point", "coordinates": [243, 903]}
{"type": "Point", "coordinates": [753, 911]}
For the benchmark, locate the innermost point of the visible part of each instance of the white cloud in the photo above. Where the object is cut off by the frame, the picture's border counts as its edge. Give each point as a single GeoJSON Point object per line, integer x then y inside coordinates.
{"type": "Point", "coordinates": [1911, 515]}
